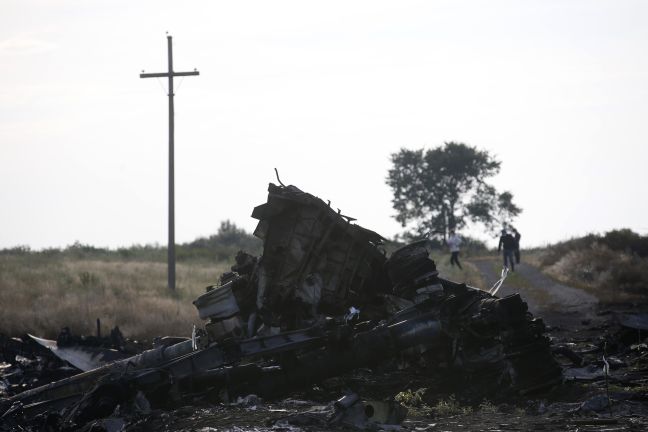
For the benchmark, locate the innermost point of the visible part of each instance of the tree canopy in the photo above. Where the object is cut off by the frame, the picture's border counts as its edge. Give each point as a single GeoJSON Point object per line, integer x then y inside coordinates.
{"type": "Point", "coordinates": [446, 187]}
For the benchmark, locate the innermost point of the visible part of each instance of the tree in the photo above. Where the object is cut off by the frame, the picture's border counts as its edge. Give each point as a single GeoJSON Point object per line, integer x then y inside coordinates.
{"type": "Point", "coordinates": [446, 187]}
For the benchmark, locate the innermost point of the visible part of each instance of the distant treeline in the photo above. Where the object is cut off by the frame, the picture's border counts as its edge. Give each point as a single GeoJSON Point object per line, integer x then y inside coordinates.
{"type": "Point", "coordinates": [221, 246]}
{"type": "Point", "coordinates": [230, 238]}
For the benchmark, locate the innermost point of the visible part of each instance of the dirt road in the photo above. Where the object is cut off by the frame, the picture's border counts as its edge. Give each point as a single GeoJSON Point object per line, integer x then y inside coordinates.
{"type": "Point", "coordinates": [556, 303]}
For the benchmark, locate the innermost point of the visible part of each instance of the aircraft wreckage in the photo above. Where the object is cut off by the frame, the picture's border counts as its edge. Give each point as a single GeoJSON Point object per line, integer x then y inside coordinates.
{"type": "Point", "coordinates": [322, 299]}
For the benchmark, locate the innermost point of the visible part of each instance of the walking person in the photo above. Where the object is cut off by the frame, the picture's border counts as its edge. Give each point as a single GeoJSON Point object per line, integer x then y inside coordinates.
{"type": "Point", "coordinates": [454, 241]}
{"type": "Point", "coordinates": [507, 242]}
{"type": "Point", "coordinates": [517, 236]}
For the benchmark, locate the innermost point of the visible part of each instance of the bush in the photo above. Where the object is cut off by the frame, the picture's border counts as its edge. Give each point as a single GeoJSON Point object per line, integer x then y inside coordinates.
{"type": "Point", "coordinates": [450, 407]}
{"type": "Point", "coordinates": [626, 240]}
{"type": "Point", "coordinates": [622, 240]}
{"type": "Point", "coordinates": [473, 246]}
{"type": "Point", "coordinates": [16, 250]}
{"type": "Point", "coordinates": [614, 265]}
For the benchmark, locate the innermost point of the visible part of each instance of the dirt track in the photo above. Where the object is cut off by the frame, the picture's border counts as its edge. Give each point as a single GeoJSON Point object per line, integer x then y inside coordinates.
{"type": "Point", "coordinates": [558, 304]}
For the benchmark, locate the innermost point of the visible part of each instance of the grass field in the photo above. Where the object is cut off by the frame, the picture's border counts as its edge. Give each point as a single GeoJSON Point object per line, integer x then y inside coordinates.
{"type": "Point", "coordinates": [470, 275]}
{"type": "Point", "coordinates": [41, 292]}
{"type": "Point", "coordinates": [40, 295]}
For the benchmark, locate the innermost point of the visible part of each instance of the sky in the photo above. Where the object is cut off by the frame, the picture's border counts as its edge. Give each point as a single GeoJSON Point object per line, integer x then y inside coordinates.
{"type": "Point", "coordinates": [324, 92]}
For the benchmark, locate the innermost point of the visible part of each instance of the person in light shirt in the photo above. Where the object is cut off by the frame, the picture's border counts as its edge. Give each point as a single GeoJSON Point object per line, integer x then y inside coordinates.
{"type": "Point", "coordinates": [454, 242]}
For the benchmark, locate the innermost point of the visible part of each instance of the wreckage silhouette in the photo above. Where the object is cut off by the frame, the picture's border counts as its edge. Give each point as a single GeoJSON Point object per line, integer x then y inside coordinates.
{"type": "Point", "coordinates": [323, 299]}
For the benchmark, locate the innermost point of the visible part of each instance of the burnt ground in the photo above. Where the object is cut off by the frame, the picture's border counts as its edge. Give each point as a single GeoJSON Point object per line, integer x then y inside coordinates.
{"type": "Point", "coordinates": [583, 332]}
{"type": "Point", "coordinates": [580, 327]}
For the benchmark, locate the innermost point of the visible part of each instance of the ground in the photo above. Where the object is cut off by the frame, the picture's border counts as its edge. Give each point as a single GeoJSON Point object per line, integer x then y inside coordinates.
{"type": "Point", "coordinates": [556, 303]}
{"type": "Point", "coordinates": [575, 318]}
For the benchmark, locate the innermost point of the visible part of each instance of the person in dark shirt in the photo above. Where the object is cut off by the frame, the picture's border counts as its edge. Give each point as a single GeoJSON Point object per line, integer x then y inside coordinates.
{"type": "Point", "coordinates": [517, 236]}
{"type": "Point", "coordinates": [507, 242]}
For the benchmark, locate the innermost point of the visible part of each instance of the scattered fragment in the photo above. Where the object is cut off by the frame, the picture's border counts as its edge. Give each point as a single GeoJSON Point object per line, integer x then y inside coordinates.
{"type": "Point", "coordinates": [322, 301]}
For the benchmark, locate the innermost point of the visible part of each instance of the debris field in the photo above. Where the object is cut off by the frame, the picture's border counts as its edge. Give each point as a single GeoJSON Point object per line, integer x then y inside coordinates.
{"type": "Point", "coordinates": [325, 330]}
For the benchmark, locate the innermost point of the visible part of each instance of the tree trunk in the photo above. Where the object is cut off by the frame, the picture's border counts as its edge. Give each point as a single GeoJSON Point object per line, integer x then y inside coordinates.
{"type": "Point", "coordinates": [452, 223]}
{"type": "Point", "coordinates": [444, 214]}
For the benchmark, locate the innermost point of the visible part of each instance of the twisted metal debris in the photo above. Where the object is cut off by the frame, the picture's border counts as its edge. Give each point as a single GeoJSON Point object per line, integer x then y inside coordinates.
{"type": "Point", "coordinates": [323, 299]}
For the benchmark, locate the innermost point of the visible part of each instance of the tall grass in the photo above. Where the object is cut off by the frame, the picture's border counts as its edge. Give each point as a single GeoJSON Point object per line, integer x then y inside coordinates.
{"type": "Point", "coordinates": [41, 295]}
{"type": "Point", "coordinates": [43, 291]}
{"type": "Point", "coordinates": [469, 274]}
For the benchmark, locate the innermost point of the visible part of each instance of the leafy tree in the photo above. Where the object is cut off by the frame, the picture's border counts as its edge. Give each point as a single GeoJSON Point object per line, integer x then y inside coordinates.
{"type": "Point", "coordinates": [446, 187]}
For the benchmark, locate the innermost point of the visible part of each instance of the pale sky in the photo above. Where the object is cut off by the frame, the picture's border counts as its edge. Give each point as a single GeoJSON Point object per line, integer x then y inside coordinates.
{"type": "Point", "coordinates": [324, 91]}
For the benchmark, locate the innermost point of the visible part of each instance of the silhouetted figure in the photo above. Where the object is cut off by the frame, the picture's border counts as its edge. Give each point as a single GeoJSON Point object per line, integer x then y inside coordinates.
{"type": "Point", "coordinates": [454, 241]}
{"type": "Point", "coordinates": [517, 236]}
{"type": "Point", "coordinates": [507, 242]}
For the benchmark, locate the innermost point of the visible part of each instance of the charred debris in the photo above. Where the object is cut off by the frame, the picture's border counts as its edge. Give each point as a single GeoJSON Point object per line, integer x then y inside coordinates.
{"type": "Point", "coordinates": [322, 300]}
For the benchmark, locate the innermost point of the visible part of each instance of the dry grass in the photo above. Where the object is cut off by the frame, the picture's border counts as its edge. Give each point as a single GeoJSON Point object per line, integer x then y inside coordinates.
{"type": "Point", "coordinates": [40, 295]}
{"type": "Point", "coordinates": [470, 274]}
{"type": "Point", "coordinates": [612, 276]}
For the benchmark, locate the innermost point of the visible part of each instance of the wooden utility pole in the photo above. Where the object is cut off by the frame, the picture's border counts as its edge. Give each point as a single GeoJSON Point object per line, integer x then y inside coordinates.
{"type": "Point", "coordinates": [170, 74]}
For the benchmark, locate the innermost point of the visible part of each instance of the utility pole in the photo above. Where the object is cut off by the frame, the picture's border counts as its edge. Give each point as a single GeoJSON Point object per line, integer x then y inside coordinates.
{"type": "Point", "coordinates": [170, 74]}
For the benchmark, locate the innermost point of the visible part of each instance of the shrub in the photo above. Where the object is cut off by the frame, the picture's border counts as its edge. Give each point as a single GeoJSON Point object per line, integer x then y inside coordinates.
{"type": "Point", "coordinates": [613, 266]}
{"type": "Point", "coordinates": [626, 240]}
{"type": "Point", "coordinates": [16, 250]}
{"type": "Point", "coordinates": [450, 407]}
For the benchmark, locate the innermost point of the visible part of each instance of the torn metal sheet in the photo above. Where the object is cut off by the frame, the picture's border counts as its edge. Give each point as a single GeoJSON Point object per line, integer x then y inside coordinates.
{"type": "Point", "coordinates": [84, 358]}
{"type": "Point", "coordinates": [350, 411]}
{"type": "Point", "coordinates": [634, 321]}
{"type": "Point", "coordinates": [587, 373]}
{"type": "Point", "coordinates": [315, 260]}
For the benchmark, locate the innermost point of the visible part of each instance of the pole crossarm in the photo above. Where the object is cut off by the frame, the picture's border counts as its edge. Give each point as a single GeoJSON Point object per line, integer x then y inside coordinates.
{"type": "Point", "coordinates": [166, 74]}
